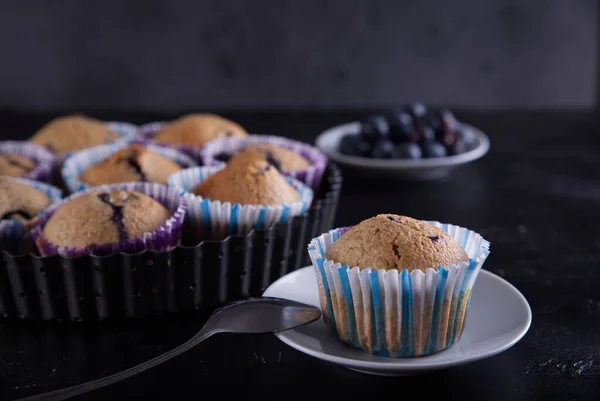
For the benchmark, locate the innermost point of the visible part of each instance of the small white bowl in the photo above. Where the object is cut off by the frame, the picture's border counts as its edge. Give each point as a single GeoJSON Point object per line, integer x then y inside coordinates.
{"type": "Point", "coordinates": [404, 169]}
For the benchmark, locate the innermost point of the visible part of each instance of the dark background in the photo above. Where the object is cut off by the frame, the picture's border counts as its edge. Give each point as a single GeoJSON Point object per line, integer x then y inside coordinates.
{"type": "Point", "coordinates": [174, 56]}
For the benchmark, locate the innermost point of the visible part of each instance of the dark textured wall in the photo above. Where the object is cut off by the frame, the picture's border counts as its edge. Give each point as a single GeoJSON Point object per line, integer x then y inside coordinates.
{"type": "Point", "coordinates": [173, 55]}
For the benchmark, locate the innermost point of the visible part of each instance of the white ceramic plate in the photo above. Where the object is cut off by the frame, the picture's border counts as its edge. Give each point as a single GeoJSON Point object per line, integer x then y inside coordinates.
{"type": "Point", "coordinates": [421, 169]}
{"type": "Point", "coordinates": [499, 316]}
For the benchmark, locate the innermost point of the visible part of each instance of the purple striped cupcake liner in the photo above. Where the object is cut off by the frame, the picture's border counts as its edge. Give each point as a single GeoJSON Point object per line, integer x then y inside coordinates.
{"type": "Point", "coordinates": [167, 236]}
{"type": "Point", "coordinates": [42, 157]}
{"type": "Point", "coordinates": [310, 176]}
{"type": "Point", "coordinates": [396, 313]}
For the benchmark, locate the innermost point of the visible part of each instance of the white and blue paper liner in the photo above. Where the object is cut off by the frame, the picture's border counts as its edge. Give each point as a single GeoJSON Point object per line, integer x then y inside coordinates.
{"type": "Point", "coordinates": [75, 165]}
{"type": "Point", "coordinates": [12, 231]}
{"type": "Point", "coordinates": [147, 131]}
{"type": "Point", "coordinates": [167, 236]}
{"type": "Point", "coordinates": [42, 157]}
{"type": "Point", "coordinates": [216, 219]}
{"type": "Point", "coordinates": [310, 176]}
{"type": "Point", "coordinates": [127, 133]}
{"type": "Point", "coordinates": [398, 313]}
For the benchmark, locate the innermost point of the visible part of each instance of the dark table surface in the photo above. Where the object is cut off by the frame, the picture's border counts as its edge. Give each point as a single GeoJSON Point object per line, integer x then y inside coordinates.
{"type": "Point", "coordinates": [535, 196]}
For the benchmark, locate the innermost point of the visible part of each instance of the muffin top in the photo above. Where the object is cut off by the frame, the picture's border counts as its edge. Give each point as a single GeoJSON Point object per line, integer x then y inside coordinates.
{"type": "Point", "coordinates": [197, 129]}
{"type": "Point", "coordinates": [283, 159]}
{"type": "Point", "coordinates": [20, 201]}
{"type": "Point", "coordinates": [132, 163]}
{"type": "Point", "coordinates": [15, 165]}
{"type": "Point", "coordinates": [249, 180]}
{"type": "Point", "coordinates": [389, 241]}
{"type": "Point", "coordinates": [71, 133]}
{"type": "Point", "coordinates": [98, 218]}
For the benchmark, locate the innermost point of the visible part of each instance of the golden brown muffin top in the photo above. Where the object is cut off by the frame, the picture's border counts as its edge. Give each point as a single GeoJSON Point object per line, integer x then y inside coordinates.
{"type": "Point", "coordinates": [197, 129]}
{"type": "Point", "coordinates": [15, 165]}
{"type": "Point", "coordinates": [389, 241]}
{"type": "Point", "coordinates": [132, 163]}
{"type": "Point", "coordinates": [283, 159]}
{"type": "Point", "coordinates": [20, 201]}
{"type": "Point", "coordinates": [248, 181]}
{"type": "Point", "coordinates": [71, 133]}
{"type": "Point", "coordinates": [98, 218]}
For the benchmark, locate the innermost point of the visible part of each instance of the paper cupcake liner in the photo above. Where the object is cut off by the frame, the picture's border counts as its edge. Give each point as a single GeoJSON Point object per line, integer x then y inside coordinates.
{"type": "Point", "coordinates": [397, 313]}
{"type": "Point", "coordinates": [163, 238]}
{"type": "Point", "coordinates": [146, 132]}
{"type": "Point", "coordinates": [194, 276]}
{"type": "Point", "coordinates": [216, 219]}
{"type": "Point", "coordinates": [310, 176]}
{"type": "Point", "coordinates": [43, 158]}
{"type": "Point", "coordinates": [12, 232]}
{"type": "Point", "coordinates": [80, 161]}
{"type": "Point", "coordinates": [127, 133]}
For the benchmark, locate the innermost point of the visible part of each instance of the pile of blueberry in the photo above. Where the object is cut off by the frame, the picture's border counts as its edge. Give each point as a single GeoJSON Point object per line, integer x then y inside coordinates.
{"type": "Point", "coordinates": [413, 132]}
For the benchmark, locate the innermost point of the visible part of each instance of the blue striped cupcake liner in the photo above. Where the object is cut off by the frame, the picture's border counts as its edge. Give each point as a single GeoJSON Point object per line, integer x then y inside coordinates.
{"type": "Point", "coordinates": [13, 231]}
{"type": "Point", "coordinates": [127, 133]}
{"type": "Point", "coordinates": [167, 236]}
{"type": "Point", "coordinates": [216, 220]}
{"type": "Point", "coordinates": [398, 313]}
{"type": "Point", "coordinates": [310, 176]}
{"type": "Point", "coordinates": [80, 161]}
{"type": "Point", "coordinates": [42, 157]}
{"type": "Point", "coordinates": [146, 133]}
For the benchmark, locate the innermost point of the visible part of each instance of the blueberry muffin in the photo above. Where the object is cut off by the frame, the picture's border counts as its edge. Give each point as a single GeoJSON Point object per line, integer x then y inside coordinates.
{"type": "Point", "coordinates": [19, 201]}
{"type": "Point", "coordinates": [100, 218]}
{"type": "Point", "coordinates": [71, 133]}
{"type": "Point", "coordinates": [396, 286]}
{"type": "Point", "coordinates": [15, 165]}
{"type": "Point", "coordinates": [283, 159]}
{"type": "Point", "coordinates": [389, 241]}
{"type": "Point", "coordinates": [197, 129]}
{"type": "Point", "coordinates": [132, 163]}
{"type": "Point", "coordinates": [249, 180]}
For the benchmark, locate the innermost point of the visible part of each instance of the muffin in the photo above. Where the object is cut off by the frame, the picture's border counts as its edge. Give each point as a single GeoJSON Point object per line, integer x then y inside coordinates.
{"type": "Point", "coordinates": [102, 220]}
{"type": "Point", "coordinates": [26, 160]}
{"type": "Point", "coordinates": [21, 200]}
{"type": "Point", "coordinates": [247, 193]}
{"type": "Point", "coordinates": [15, 165]}
{"type": "Point", "coordinates": [249, 180]}
{"type": "Point", "coordinates": [70, 133]}
{"type": "Point", "coordinates": [282, 159]}
{"type": "Point", "coordinates": [132, 163]}
{"type": "Point", "coordinates": [197, 129]}
{"type": "Point", "coordinates": [396, 286]}
{"type": "Point", "coordinates": [292, 158]}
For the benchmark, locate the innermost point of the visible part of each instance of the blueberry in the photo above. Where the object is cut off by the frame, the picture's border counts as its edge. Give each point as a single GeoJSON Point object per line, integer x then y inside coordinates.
{"type": "Point", "coordinates": [433, 149]}
{"type": "Point", "coordinates": [401, 127]}
{"type": "Point", "coordinates": [427, 133]}
{"type": "Point", "coordinates": [407, 150]}
{"type": "Point", "coordinates": [447, 119]}
{"type": "Point", "coordinates": [374, 128]}
{"type": "Point", "coordinates": [383, 149]}
{"type": "Point", "coordinates": [365, 149]}
{"type": "Point", "coordinates": [349, 145]}
{"type": "Point", "coordinates": [417, 110]}
{"type": "Point", "coordinates": [465, 141]}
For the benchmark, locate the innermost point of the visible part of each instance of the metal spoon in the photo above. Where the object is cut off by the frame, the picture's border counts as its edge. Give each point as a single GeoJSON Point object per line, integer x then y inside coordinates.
{"type": "Point", "coordinates": [251, 315]}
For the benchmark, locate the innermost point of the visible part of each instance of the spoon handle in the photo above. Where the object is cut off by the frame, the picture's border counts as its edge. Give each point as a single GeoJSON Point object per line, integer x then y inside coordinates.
{"type": "Point", "coordinates": [79, 389]}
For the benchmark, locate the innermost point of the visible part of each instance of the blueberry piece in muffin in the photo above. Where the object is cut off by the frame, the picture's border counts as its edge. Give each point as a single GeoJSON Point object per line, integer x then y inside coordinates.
{"type": "Point", "coordinates": [15, 165]}
{"type": "Point", "coordinates": [197, 129]}
{"type": "Point", "coordinates": [283, 159]}
{"type": "Point", "coordinates": [19, 201]}
{"type": "Point", "coordinates": [100, 218]}
{"type": "Point", "coordinates": [71, 133]}
{"type": "Point", "coordinates": [248, 180]}
{"type": "Point", "coordinates": [132, 163]}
